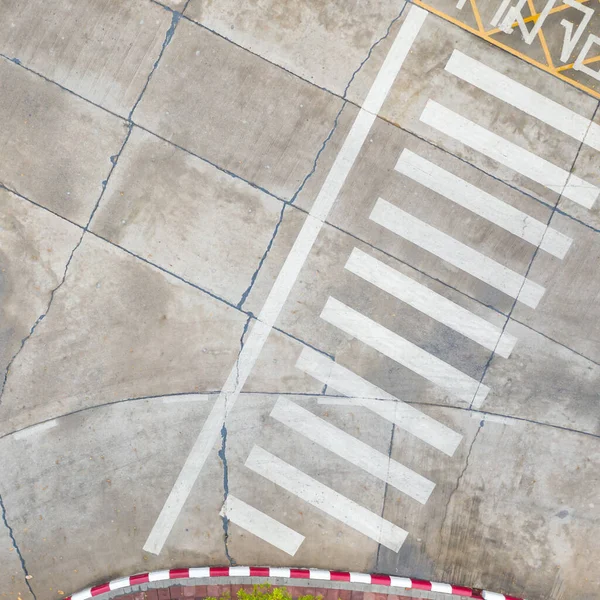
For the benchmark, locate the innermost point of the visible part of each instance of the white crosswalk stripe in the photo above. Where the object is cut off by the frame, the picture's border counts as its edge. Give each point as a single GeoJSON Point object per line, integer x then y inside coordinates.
{"type": "Point", "coordinates": [509, 154]}
{"type": "Point", "coordinates": [402, 351]}
{"type": "Point", "coordinates": [430, 303]}
{"type": "Point", "coordinates": [352, 449]}
{"type": "Point", "coordinates": [360, 392]}
{"type": "Point", "coordinates": [456, 253]}
{"type": "Point", "coordinates": [324, 498]}
{"type": "Point", "coordinates": [483, 204]}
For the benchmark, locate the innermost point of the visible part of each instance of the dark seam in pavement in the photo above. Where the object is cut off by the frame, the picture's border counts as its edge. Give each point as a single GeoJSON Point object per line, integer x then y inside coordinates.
{"type": "Point", "coordinates": [175, 17]}
{"type": "Point", "coordinates": [489, 361]}
{"type": "Point", "coordinates": [498, 47]}
{"type": "Point", "coordinates": [19, 195]}
{"type": "Point", "coordinates": [178, 277]}
{"type": "Point", "coordinates": [262, 58]}
{"type": "Point", "coordinates": [385, 491]}
{"type": "Point", "coordinates": [247, 291]}
{"type": "Point", "coordinates": [429, 276]}
{"type": "Point", "coordinates": [555, 341]}
{"type": "Point", "coordinates": [39, 319]}
{"type": "Point", "coordinates": [223, 457]}
{"type": "Point", "coordinates": [16, 547]}
{"type": "Point", "coordinates": [212, 164]}
{"type": "Point", "coordinates": [231, 305]}
{"type": "Point", "coordinates": [16, 61]}
{"type": "Point", "coordinates": [459, 479]}
{"type": "Point", "coordinates": [114, 160]}
{"type": "Point", "coordinates": [307, 395]}
{"type": "Point", "coordinates": [304, 342]}
{"type": "Point", "coordinates": [313, 168]}
{"type": "Point", "coordinates": [232, 174]}
{"type": "Point", "coordinates": [223, 451]}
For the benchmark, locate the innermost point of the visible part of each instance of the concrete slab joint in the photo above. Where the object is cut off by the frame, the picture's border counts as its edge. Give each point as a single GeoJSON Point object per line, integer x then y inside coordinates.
{"type": "Point", "coordinates": [299, 283]}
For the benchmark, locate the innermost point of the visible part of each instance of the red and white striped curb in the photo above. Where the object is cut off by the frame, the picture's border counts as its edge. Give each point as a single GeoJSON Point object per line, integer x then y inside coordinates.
{"type": "Point", "coordinates": [315, 574]}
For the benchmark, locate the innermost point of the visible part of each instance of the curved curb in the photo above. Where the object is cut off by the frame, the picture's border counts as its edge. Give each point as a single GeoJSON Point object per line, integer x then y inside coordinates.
{"type": "Point", "coordinates": [315, 574]}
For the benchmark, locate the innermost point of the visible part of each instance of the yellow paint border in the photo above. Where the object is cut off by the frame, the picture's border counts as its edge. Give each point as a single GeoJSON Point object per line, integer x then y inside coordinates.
{"type": "Point", "coordinates": [557, 72]}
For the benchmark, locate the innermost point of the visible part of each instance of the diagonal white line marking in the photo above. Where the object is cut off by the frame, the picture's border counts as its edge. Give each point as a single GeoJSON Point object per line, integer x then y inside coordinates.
{"type": "Point", "coordinates": [263, 526]}
{"type": "Point", "coordinates": [360, 392]}
{"type": "Point", "coordinates": [402, 351]}
{"type": "Point", "coordinates": [352, 449]}
{"type": "Point", "coordinates": [278, 295]}
{"type": "Point", "coordinates": [324, 498]}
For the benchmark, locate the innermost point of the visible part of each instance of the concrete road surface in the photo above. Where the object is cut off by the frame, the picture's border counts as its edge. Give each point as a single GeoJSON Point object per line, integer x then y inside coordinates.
{"type": "Point", "coordinates": [300, 284]}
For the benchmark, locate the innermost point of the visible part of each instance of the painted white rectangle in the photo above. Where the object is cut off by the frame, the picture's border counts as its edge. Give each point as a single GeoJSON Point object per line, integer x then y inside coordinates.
{"type": "Point", "coordinates": [239, 571]}
{"type": "Point", "coordinates": [522, 97]}
{"type": "Point", "coordinates": [456, 253]}
{"type": "Point", "coordinates": [359, 577]}
{"type": "Point", "coordinates": [159, 575]}
{"type": "Point", "coordinates": [320, 574]}
{"type": "Point", "coordinates": [444, 588]}
{"type": "Point", "coordinates": [117, 584]}
{"type": "Point", "coordinates": [493, 596]}
{"type": "Point", "coordinates": [401, 582]}
{"type": "Point", "coordinates": [363, 393]}
{"type": "Point", "coordinates": [482, 204]}
{"type": "Point", "coordinates": [324, 498]}
{"type": "Point", "coordinates": [82, 595]}
{"type": "Point", "coordinates": [510, 155]}
{"type": "Point", "coordinates": [35, 429]}
{"type": "Point", "coordinates": [430, 303]}
{"type": "Point", "coordinates": [353, 450]}
{"type": "Point", "coordinates": [261, 525]}
{"type": "Point", "coordinates": [402, 351]}
{"type": "Point", "coordinates": [279, 572]}
{"type": "Point", "coordinates": [200, 572]}
{"type": "Point", "coordinates": [343, 163]}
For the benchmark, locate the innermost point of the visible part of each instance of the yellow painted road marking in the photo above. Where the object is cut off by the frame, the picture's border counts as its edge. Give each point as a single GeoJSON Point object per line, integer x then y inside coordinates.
{"type": "Point", "coordinates": [556, 71]}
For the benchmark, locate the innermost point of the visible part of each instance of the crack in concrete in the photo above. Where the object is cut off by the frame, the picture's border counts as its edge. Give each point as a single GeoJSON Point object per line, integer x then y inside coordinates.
{"type": "Point", "coordinates": [223, 456]}
{"type": "Point", "coordinates": [247, 291]}
{"type": "Point", "coordinates": [38, 320]}
{"type": "Point", "coordinates": [223, 451]}
{"type": "Point", "coordinates": [462, 473]}
{"type": "Point", "coordinates": [385, 491]}
{"type": "Point", "coordinates": [175, 18]}
{"type": "Point", "coordinates": [533, 257]}
{"type": "Point", "coordinates": [315, 162]}
{"type": "Point", "coordinates": [11, 534]}
{"type": "Point", "coordinates": [114, 159]}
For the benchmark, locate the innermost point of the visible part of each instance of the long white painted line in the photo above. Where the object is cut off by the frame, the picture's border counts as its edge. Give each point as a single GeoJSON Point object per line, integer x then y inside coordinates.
{"type": "Point", "coordinates": [353, 450]}
{"type": "Point", "coordinates": [279, 293]}
{"type": "Point", "coordinates": [263, 526]}
{"type": "Point", "coordinates": [363, 393]}
{"type": "Point", "coordinates": [35, 429]}
{"type": "Point", "coordinates": [524, 98]}
{"type": "Point", "coordinates": [482, 204]}
{"type": "Point", "coordinates": [430, 303]}
{"type": "Point", "coordinates": [402, 351]}
{"type": "Point", "coordinates": [456, 253]}
{"type": "Point", "coordinates": [512, 156]}
{"type": "Point", "coordinates": [324, 498]}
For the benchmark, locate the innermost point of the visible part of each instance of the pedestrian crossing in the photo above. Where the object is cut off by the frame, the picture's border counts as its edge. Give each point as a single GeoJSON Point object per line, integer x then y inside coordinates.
{"type": "Point", "coordinates": [356, 391]}
{"type": "Point", "coordinates": [456, 253]}
{"type": "Point", "coordinates": [482, 204]}
{"type": "Point", "coordinates": [505, 152]}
